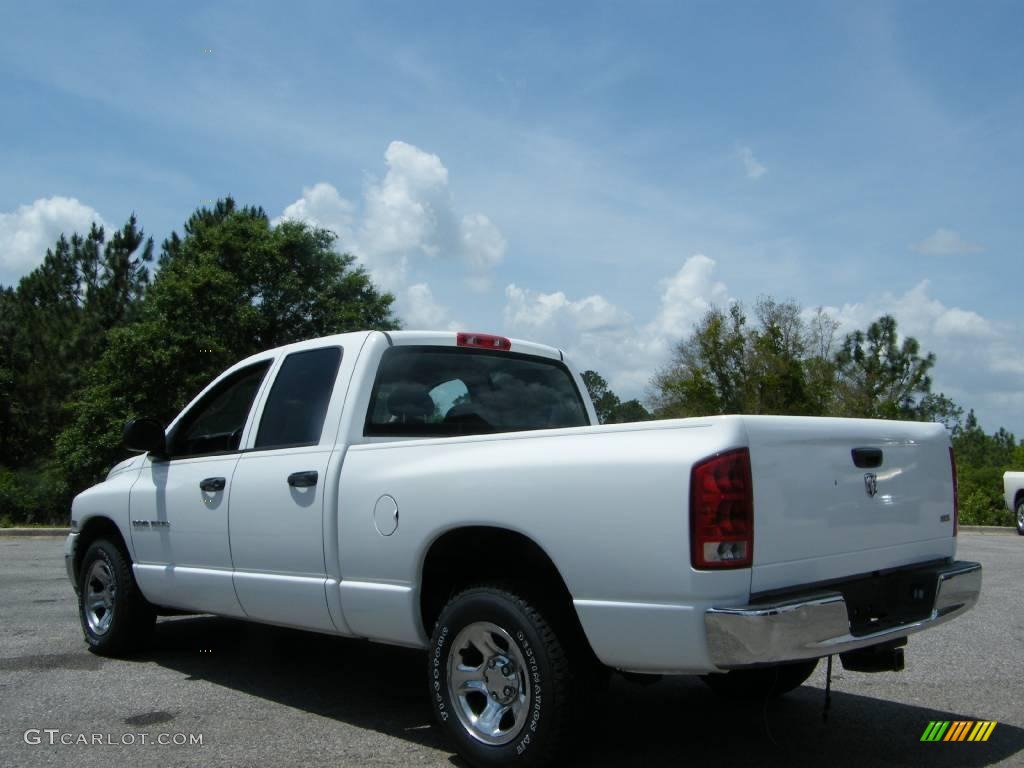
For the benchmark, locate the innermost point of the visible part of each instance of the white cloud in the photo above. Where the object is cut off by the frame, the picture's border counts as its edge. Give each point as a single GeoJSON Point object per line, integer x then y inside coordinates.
{"type": "Point", "coordinates": [322, 204]}
{"type": "Point", "coordinates": [978, 360]}
{"type": "Point", "coordinates": [600, 335]}
{"type": "Point", "coordinates": [946, 242]}
{"type": "Point", "coordinates": [963, 323]}
{"type": "Point", "coordinates": [421, 310]}
{"type": "Point", "coordinates": [754, 169]}
{"type": "Point", "coordinates": [917, 314]}
{"type": "Point", "coordinates": [555, 312]}
{"type": "Point", "coordinates": [687, 295]}
{"type": "Point", "coordinates": [483, 246]}
{"type": "Point", "coordinates": [408, 217]}
{"type": "Point", "coordinates": [409, 211]}
{"type": "Point", "coordinates": [27, 232]}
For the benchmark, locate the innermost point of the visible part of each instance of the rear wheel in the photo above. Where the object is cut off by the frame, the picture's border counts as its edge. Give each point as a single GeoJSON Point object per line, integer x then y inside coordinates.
{"type": "Point", "coordinates": [761, 682]}
{"type": "Point", "coordinates": [116, 618]}
{"type": "Point", "coordinates": [1020, 515]}
{"type": "Point", "coordinates": [502, 683]}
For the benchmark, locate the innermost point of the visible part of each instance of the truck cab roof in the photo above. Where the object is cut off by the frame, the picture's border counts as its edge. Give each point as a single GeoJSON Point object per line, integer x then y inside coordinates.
{"type": "Point", "coordinates": [398, 338]}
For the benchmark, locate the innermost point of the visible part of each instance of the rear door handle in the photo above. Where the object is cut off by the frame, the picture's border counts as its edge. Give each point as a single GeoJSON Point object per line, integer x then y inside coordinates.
{"type": "Point", "coordinates": [212, 484]}
{"type": "Point", "coordinates": [302, 479]}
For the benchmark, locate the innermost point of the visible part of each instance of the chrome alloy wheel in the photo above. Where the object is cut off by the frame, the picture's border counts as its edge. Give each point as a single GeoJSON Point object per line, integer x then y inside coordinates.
{"type": "Point", "coordinates": [488, 683]}
{"type": "Point", "coordinates": [100, 590]}
{"type": "Point", "coordinates": [1020, 516]}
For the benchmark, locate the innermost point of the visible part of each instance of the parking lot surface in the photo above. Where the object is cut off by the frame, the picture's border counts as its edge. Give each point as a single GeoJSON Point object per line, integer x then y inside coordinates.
{"type": "Point", "coordinates": [265, 696]}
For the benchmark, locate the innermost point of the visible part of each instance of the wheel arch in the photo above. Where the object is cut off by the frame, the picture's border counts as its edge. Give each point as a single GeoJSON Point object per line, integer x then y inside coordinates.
{"type": "Point", "coordinates": [452, 562]}
{"type": "Point", "coordinates": [98, 527]}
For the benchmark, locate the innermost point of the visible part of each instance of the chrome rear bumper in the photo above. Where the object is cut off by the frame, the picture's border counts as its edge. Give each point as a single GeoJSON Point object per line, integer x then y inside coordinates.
{"type": "Point", "coordinates": [817, 624]}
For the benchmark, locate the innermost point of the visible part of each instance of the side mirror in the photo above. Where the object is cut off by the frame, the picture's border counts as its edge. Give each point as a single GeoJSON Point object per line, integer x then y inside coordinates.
{"type": "Point", "coordinates": [142, 435]}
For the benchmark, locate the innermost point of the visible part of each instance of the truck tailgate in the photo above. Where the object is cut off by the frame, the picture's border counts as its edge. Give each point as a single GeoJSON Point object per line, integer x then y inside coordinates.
{"type": "Point", "coordinates": [818, 516]}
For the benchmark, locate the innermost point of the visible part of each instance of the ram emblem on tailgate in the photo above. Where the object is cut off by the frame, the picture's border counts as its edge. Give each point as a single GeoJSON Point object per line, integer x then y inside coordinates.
{"type": "Point", "coordinates": [870, 484]}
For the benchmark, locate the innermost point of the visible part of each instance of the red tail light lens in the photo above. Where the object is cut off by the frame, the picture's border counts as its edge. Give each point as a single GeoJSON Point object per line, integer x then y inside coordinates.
{"type": "Point", "coordinates": [956, 493]}
{"type": "Point", "coordinates": [722, 512]}
{"type": "Point", "coordinates": [483, 341]}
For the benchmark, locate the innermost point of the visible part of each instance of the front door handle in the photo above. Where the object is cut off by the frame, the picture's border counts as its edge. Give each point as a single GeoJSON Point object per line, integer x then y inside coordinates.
{"type": "Point", "coordinates": [302, 479]}
{"type": "Point", "coordinates": [212, 484]}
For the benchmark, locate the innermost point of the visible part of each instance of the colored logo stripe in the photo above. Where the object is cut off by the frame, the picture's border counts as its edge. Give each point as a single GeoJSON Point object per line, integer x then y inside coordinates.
{"type": "Point", "coordinates": [958, 730]}
{"type": "Point", "coordinates": [982, 731]}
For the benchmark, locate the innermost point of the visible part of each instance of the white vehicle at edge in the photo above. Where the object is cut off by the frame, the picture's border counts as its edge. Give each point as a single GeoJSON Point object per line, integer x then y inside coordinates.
{"type": "Point", "coordinates": [453, 492]}
{"type": "Point", "coordinates": [1013, 492]}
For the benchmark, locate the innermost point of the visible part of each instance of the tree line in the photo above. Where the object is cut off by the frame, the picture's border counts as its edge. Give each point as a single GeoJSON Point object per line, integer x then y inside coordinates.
{"type": "Point", "coordinates": [96, 335]}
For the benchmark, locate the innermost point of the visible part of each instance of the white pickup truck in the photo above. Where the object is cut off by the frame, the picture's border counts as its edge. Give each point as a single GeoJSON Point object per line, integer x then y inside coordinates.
{"type": "Point", "coordinates": [454, 493]}
{"type": "Point", "coordinates": [1013, 492]}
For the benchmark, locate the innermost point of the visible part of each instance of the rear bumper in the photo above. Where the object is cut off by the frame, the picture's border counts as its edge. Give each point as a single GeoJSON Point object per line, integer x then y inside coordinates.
{"type": "Point", "coordinates": [817, 624]}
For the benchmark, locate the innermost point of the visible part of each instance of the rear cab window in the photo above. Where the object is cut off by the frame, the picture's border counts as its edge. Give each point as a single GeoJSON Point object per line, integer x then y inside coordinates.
{"type": "Point", "coordinates": [428, 391]}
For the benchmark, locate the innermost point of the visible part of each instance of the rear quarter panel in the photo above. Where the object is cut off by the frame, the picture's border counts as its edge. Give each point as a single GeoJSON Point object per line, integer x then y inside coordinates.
{"type": "Point", "coordinates": [609, 505]}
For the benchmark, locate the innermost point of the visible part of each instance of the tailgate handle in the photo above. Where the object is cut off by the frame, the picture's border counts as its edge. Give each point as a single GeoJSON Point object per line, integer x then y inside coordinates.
{"type": "Point", "coordinates": [867, 458]}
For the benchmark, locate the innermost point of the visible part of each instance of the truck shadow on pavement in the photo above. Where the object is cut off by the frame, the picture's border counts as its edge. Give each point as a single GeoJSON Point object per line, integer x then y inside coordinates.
{"type": "Point", "coordinates": [677, 721]}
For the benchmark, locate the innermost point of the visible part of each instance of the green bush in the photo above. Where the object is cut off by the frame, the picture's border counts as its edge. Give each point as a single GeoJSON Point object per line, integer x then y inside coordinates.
{"type": "Point", "coordinates": [984, 506]}
{"type": "Point", "coordinates": [33, 496]}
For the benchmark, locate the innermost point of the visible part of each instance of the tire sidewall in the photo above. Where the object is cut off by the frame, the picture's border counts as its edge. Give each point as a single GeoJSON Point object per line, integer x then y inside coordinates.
{"type": "Point", "coordinates": [1017, 517]}
{"type": "Point", "coordinates": [103, 550]}
{"type": "Point", "coordinates": [492, 606]}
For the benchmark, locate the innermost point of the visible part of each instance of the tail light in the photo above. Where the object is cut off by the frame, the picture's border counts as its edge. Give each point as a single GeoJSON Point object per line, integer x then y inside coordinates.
{"type": "Point", "coordinates": [956, 492]}
{"type": "Point", "coordinates": [483, 341]}
{"type": "Point", "coordinates": [722, 512]}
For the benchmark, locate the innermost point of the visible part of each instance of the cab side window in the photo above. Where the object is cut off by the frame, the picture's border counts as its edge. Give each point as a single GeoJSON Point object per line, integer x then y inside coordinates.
{"type": "Point", "coordinates": [215, 423]}
{"type": "Point", "coordinates": [295, 410]}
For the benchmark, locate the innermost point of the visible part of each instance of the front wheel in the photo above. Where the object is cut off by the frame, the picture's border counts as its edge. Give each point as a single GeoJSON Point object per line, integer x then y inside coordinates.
{"type": "Point", "coordinates": [761, 682]}
{"type": "Point", "coordinates": [500, 679]}
{"type": "Point", "coordinates": [1020, 516]}
{"type": "Point", "coordinates": [116, 618]}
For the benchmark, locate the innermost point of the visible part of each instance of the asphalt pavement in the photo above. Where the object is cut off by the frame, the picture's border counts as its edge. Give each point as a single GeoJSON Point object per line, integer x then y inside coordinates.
{"type": "Point", "coordinates": [265, 696]}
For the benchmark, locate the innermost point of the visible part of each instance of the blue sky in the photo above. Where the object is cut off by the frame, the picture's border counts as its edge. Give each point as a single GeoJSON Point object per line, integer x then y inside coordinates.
{"type": "Point", "coordinates": [588, 175]}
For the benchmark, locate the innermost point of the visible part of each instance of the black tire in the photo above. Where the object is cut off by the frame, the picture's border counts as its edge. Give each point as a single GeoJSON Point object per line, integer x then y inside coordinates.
{"type": "Point", "coordinates": [552, 687]}
{"type": "Point", "coordinates": [122, 621]}
{"type": "Point", "coordinates": [1019, 510]}
{"type": "Point", "coordinates": [761, 682]}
